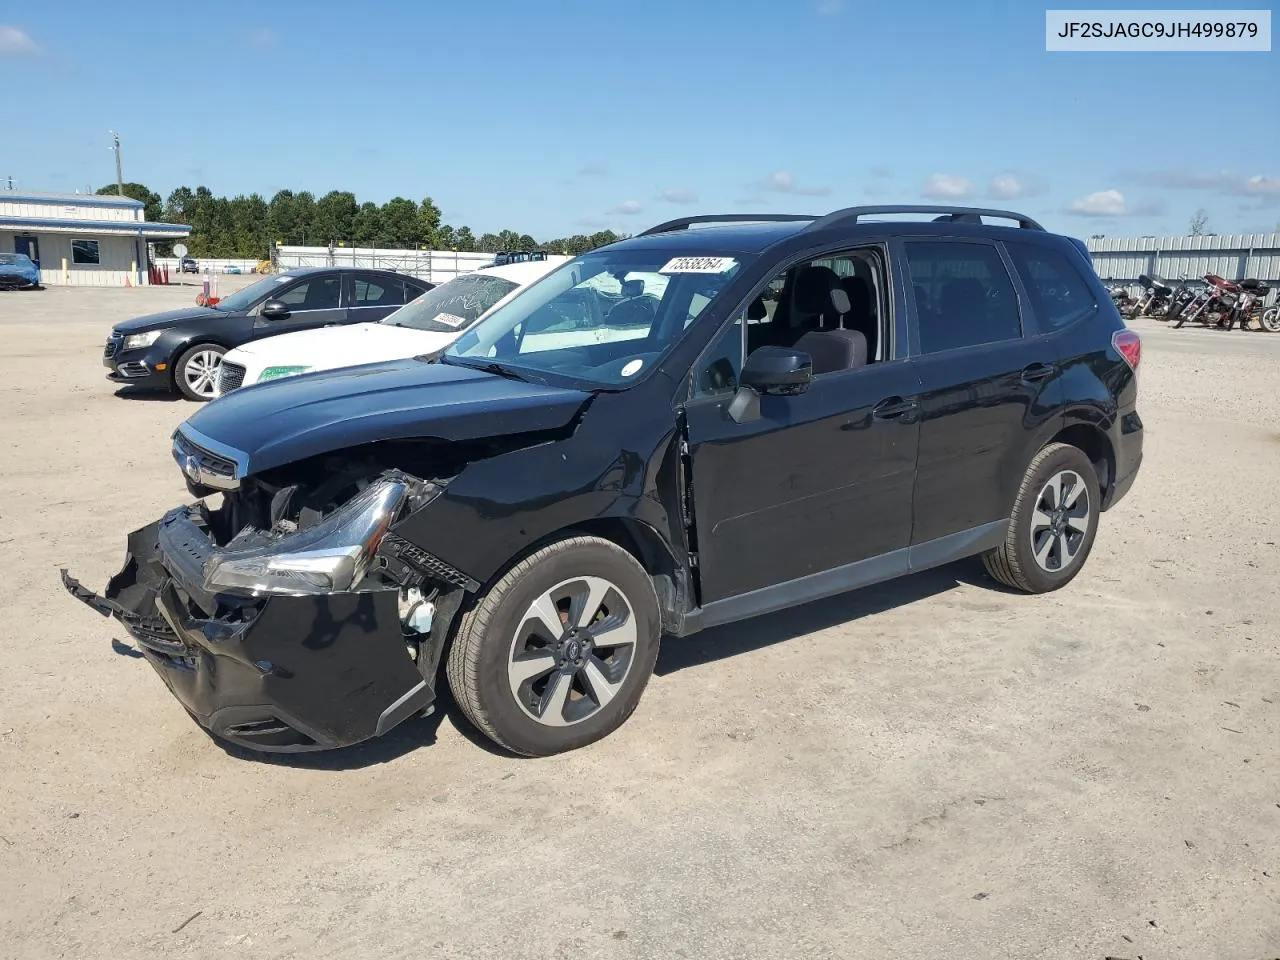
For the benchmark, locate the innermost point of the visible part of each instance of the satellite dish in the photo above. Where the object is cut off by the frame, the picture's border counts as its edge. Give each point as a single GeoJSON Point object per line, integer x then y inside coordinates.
{"type": "Point", "coordinates": [179, 249]}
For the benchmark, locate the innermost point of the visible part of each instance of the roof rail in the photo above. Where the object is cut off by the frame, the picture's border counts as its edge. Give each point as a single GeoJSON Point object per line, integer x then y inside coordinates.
{"type": "Point", "coordinates": [850, 215]}
{"type": "Point", "coordinates": [683, 223]}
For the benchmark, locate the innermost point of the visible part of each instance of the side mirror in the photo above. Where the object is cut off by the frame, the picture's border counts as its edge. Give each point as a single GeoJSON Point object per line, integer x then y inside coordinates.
{"type": "Point", "coordinates": [770, 370]}
{"type": "Point", "coordinates": [274, 310]}
{"type": "Point", "coordinates": [778, 370]}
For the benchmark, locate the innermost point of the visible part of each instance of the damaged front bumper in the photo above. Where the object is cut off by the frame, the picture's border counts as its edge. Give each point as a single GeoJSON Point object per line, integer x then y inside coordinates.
{"type": "Point", "coordinates": [272, 673]}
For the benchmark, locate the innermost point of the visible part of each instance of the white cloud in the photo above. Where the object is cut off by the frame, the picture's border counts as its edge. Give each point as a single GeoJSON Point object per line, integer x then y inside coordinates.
{"type": "Point", "coordinates": [678, 195]}
{"type": "Point", "coordinates": [1263, 185]}
{"type": "Point", "coordinates": [945, 186]}
{"type": "Point", "coordinates": [782, 181]}
{"type": "Point", "coordinates": [16, 43]}
{"type": "Point", "coordinates": [1103, 203]}
{"type": "Point", "coordinates": [627, 208]}
{"type": "Point", "coordinates": [1006, 186]}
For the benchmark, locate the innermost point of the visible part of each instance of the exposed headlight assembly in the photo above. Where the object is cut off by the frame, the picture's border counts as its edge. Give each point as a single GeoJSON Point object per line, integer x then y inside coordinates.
{"type": "Point", "coordinates": [136, 341]}
{"type": "Point", "coordinates": [330, 557]}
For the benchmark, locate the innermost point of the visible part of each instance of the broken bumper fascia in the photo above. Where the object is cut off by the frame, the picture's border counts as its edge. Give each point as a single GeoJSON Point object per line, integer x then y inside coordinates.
{"type": "Point", "coordinates": [279, 674]}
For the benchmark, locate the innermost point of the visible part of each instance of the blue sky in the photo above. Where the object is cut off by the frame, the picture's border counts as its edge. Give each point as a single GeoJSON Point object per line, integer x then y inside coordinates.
{"type": "Point", "coordinates": [567, 116]}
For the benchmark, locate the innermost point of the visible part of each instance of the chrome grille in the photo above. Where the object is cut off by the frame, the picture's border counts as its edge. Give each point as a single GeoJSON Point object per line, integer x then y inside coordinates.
{"type": "Point", "coordinates": [133, 369]}
{"type": "Point", "coordinates": [230, 377]}
{"type": "Point", "coordinates": [204, 466]}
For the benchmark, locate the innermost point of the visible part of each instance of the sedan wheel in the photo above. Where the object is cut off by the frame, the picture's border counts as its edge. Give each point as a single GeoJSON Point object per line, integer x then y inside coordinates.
{"type": "Point", "coordinates": [197, 372]}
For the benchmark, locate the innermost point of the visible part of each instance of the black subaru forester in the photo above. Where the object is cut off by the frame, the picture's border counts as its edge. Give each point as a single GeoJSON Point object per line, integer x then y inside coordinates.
{"type": "Point", "coordinates": [718, 418]}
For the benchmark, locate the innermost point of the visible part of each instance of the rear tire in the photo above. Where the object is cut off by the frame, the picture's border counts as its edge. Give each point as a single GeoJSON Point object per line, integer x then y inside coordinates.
{"type": "Point", "coordinates": [1053, 525]}
{"type": "Point", "coordinates": [536, 693]}
{"type": "Point", "coordinates": [1270, 320]}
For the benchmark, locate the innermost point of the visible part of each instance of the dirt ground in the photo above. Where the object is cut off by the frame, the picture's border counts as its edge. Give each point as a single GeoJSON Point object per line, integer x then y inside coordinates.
{"type": "Point", "coordinates": [932, 768]}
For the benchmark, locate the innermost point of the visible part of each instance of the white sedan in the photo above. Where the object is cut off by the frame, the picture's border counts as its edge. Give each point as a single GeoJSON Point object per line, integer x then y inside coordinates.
{"type": "Point", "coordinates": [427, 324]}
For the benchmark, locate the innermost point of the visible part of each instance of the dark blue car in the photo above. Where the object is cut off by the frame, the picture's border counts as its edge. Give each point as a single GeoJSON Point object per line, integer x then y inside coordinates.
{"type": "Point", "coordinates": [17, 272]}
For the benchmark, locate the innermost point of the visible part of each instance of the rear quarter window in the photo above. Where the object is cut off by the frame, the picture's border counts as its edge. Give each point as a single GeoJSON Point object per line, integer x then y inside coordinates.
{"type": "Point", "coordinates": [1059, 293]}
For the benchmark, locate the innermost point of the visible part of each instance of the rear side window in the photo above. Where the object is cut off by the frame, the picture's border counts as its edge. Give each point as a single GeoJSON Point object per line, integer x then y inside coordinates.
{"type": "Point", "coordinates": [964, 295]}
{"type": "Point", "coordinates": [1059, 294]}
{"type": "Point", "coordinates": [378, 293]}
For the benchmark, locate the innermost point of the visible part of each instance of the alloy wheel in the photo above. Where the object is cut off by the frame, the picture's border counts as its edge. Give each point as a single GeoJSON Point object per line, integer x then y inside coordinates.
{"type": "Point", "coordinates": [1060, 521]}
{"type": "Point", "coordinates": [572, 651]}
{"type": "Point", "coordinates": [201, 372]}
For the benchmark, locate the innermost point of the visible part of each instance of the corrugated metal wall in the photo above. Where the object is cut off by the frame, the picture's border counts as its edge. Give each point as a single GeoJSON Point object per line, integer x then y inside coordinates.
{"type": "Point", "coordinates": [1234, 256]}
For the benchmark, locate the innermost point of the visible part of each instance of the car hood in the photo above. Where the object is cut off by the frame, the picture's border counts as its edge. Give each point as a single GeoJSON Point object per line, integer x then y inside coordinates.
{"type": "Point", "coordinates": [282, 421]}
{"type": "Point", "coordinates": [327, 347]}
{"type": "Point", "coordinates": [158, 321]}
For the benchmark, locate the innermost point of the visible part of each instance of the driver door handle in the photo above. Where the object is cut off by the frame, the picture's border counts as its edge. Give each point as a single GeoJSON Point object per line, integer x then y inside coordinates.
{"type": "Point", "coordinates": [895, 408]}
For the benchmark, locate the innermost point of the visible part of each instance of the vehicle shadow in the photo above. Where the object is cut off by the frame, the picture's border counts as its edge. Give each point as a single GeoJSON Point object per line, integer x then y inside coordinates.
{"type": "Point", "coordinates": [731, 640]}
{"type": "Point", "coordinates": [142, 393]}
{"type": "Point", "coordinates": [718, 643]}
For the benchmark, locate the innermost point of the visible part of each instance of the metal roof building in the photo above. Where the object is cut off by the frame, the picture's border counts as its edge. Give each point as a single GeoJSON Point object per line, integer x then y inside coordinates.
{"type": "Point", "coordinates": [82, 239]}
{"type": "Point", "coordinates": [1236, 256]}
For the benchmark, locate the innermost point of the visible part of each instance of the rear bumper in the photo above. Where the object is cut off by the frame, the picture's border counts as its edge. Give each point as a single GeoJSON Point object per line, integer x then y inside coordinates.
{"type": "Point", "coordinates": [1126, 442]}
{"type": "Point", "coordinates": [277, 675]}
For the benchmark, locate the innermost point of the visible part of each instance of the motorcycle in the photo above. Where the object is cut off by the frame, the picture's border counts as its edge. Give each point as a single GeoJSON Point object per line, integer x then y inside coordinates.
{"type": "Point", "coordinates": [1154, 302]}
{"type": "Point", "coordinates": [1269, 319]}
{"type": "Point", "coordinates": [1248, 305]}
{"type": "Point", "coordinates": [1120, 297]}
{"type": "Point", "coordinates": [1218, 297]}
{"type": "Point", "coordinates": [1182, 295]}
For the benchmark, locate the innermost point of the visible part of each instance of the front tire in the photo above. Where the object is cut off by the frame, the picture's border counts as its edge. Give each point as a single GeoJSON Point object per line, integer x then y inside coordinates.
{"type": "Point", "coordinates": [1054, 523]}
{"type": "Point", "coordinates": [196, 372]}
{"type": "Point", "coordinates": [558, 652]}
{"type": "Point", "coordinates": [1270, 320]}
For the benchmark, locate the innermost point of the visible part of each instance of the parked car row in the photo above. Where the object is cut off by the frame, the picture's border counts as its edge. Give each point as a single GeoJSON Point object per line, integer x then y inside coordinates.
{"type": "Point", "coordinates": [709, 421]}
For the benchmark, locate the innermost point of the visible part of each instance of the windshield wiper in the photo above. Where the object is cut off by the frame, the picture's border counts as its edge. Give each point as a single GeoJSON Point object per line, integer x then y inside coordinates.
{"type": "Point", "coordinates": [488, 366]}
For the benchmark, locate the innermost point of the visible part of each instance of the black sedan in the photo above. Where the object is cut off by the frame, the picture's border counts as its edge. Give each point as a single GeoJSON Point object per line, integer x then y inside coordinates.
{"type": "Point", "coordinates": [182, 349]}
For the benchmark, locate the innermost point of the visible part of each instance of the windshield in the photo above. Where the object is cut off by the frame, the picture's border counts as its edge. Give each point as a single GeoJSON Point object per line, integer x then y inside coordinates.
{"type": "Point", "coordinates": [245, 298]}
{"type": "Point", "coordinates": [604, 317]}
{"type": "Point", "coordinates": [11, 258]}
{"type": "Point", "coordinates": [452, 306]}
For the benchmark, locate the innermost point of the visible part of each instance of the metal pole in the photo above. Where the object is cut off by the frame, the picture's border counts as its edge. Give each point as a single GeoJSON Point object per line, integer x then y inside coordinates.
{"type": "Point", "coordinates": [115, 141]}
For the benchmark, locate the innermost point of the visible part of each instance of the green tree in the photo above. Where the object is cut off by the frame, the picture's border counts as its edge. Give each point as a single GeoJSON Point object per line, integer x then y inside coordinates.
{"type": "Point", "coordinates": [368, 229]}
{"type": "Point", "coordinates": [446, 238]}
{"type": "Point", "coordinates": [466, 240]}
{"type": "Point", "coordinates": [401, 224]}
{"type": "Point", "coordinates": [151, 207]}
{"type": "Point", "coordinates": [335, 219]}
{"type": "Point", "coordinates": [429, 223]}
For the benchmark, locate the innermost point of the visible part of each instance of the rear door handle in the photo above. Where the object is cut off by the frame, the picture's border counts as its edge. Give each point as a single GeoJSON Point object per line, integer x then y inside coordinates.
{"type": "Point", "coordinates": [1037, 372]}
{"type": "Point", "coordinates": [895, 408]}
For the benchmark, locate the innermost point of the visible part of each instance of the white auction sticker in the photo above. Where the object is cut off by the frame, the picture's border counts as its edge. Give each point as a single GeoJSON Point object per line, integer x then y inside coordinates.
{"type": "Point", "coordinates": [699, 265]}
{"type": "Point", "coordinates": [449, 320]}
{"type": "Point", "coordinates": [632, 368]}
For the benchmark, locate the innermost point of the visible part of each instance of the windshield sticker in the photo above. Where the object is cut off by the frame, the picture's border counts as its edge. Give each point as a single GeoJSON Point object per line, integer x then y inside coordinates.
{"type": "Point", "coordinates": [449, 320]}
{"type": "Point", "coordinates": [699, 265]}
{"type": "Point", "coordinates": [632, 368]}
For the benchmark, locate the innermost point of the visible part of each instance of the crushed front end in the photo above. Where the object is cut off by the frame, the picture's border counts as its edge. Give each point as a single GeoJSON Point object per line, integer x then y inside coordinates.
{"type": "Point", "coordinates": [290, 618]}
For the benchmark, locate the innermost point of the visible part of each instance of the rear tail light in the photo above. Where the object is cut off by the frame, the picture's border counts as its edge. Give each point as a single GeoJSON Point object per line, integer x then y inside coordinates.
{"type": "Point", "coordinates": [1129, 345]}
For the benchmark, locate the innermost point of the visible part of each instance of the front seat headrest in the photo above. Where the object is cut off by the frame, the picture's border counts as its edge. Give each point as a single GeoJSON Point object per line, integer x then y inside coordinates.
{"type": "Point", "coordinates": [858, 292]}
{"type": "Point", "coordinates": [757, 310]}
{"type": "Point", "coordinates": [814, 288]}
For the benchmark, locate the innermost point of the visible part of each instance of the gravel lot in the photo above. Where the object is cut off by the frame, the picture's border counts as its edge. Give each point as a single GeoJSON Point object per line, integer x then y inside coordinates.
{"type": "Point", "coordinates": [931, 768]}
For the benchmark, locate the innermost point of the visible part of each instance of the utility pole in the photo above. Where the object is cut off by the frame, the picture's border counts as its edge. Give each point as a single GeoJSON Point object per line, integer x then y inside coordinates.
{"type": "Point", "coordinates": [115, 145]}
